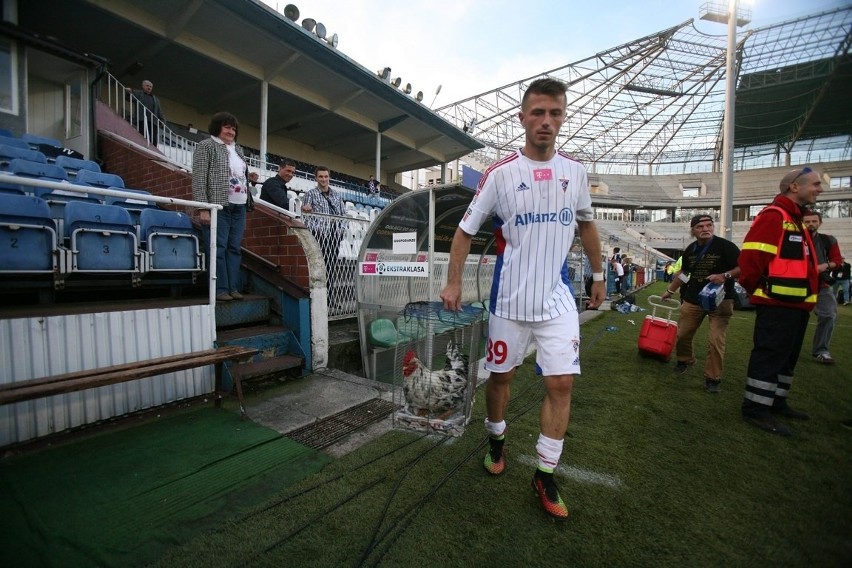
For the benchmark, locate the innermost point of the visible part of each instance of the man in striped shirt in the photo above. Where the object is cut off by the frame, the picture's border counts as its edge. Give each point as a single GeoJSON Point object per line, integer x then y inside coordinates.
{"type": "Point", "coordinates": [535, 198]}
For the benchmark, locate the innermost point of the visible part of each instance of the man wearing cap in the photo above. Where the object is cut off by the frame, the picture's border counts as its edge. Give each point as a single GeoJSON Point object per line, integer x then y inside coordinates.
{"type": "Point", "coordinates": [709, 260]}
{"type": "Point", "coordinates": [778, 267]}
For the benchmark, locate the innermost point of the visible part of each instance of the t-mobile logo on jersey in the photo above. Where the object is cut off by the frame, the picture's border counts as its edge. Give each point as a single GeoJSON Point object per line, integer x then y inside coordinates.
{"type": "Point", "coordinates": [544, 174]}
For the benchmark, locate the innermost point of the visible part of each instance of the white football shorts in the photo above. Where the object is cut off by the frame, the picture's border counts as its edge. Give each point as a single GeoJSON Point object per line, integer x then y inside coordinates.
{"type": "Point", "coordinates": [558, 342]}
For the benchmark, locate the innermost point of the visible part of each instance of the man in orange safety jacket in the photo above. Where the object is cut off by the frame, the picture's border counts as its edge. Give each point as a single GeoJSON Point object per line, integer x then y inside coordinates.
{"type": "Point", "coordinates": [778, 267]}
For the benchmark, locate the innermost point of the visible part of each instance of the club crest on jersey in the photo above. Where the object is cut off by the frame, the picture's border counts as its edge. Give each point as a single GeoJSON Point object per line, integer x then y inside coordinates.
{"type": "Point", "coordinates": [564, 183]}
{"type": "Point", "coordinates": [523, 187]}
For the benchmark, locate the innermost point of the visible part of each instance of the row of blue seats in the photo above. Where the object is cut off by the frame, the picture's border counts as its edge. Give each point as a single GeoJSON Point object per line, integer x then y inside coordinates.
{"type": "Point", "coordinates": [95, 238]}
{"type": "Point", "coordinates": [70, 164]}
{"type": "Point", "coordinates": [87, 175]}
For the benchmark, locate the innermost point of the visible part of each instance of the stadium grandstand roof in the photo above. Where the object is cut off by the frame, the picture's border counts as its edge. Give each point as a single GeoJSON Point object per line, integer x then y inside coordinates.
{"type": "Point", "coordinates": [656, 104]}
{"type": "Point", "coordinates": [218, 54]}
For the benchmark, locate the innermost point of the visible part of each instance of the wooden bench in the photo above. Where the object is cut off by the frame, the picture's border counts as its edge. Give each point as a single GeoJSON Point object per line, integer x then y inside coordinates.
{"type": "Point", "coordinates": [31, 389]}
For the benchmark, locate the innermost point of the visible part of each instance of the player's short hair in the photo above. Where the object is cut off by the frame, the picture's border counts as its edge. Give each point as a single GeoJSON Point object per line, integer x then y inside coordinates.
{"type": "Point", "coordinates": [545, 86]}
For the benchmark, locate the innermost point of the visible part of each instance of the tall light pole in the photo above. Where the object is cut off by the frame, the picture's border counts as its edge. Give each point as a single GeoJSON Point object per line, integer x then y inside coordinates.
{"type": "Point", "coordinates": [730, 16]}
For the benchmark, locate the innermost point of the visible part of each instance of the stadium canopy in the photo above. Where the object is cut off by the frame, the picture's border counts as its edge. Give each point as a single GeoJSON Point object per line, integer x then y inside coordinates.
{"type": "Point", "coordinates": [656, 104]}
{"type": "Point", "coordinates": [218, 54]}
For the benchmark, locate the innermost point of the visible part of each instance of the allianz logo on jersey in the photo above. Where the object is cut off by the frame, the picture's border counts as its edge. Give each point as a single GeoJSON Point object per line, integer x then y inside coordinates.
{"type": "Point", "coordinates": [564, 217]}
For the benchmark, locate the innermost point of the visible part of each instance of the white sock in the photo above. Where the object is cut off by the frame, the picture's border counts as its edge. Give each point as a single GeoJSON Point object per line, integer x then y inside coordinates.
{"type": "Point", "coordinates": [495, 429]}
{"type": "Point", "coordinates": [549, 451]}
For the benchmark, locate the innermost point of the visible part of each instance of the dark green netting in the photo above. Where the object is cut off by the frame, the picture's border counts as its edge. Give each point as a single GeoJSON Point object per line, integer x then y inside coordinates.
{"type": "Point", "coordinates": [124, 498]}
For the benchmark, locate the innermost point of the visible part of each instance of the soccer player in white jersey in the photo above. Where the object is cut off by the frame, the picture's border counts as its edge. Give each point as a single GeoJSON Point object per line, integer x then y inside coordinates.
{"type": "Point", "coordinates": [535, 198]}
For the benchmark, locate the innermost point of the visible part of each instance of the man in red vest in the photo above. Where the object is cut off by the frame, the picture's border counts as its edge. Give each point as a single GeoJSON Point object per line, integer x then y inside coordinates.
{"type": "Point", "coordinates": [778, 267]}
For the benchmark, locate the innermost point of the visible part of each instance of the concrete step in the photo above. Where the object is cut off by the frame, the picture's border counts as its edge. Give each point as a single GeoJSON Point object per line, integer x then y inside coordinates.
{"type": "Point", "coordinates": [279, 352]}
{"type": "Point", "coordinates": [271, 366]}
{"type": "Point", "coordinates": [252, 309]}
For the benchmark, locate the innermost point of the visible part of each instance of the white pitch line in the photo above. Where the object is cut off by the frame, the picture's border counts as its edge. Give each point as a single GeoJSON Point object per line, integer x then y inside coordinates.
{"type": "Point", "coordinates": [578, 474]}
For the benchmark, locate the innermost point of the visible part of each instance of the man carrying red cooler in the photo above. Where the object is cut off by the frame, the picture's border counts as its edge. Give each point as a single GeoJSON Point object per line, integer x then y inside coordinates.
{"type": "Point", "coordinates": [706, 281]}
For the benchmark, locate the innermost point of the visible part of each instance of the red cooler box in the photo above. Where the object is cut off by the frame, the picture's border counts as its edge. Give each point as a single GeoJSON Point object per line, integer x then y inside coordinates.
{"type": "Point", "coordinates": [658, 335]}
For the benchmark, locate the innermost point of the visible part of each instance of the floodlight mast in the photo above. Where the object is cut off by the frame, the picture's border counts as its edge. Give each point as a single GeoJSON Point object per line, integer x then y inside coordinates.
{"type": "Point", "coordinates": [713, 12]}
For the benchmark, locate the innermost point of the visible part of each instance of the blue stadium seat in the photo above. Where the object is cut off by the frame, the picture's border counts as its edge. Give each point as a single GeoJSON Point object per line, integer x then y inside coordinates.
{"type": "Point", "coordinates": [9, 153]}
{"type": "Point", "coordinates": [99, 179]}
{"type": "Point", "coordinates": [28, 241]}
{"type": "Point", "coordinates": [74, 165]}
{"type": "Point", "coordinates": [171, 241]}
{"type": "Point", "coordinates": [7, 133]}
{"type": "Point", "coordinates": [101, 238]}
{"type": "Point", "coordinates": [15, 142]}
{"type": "Point", "coordinates": [27, 168]}
{"type": "Point", "coordinates": [34, 140]}
{"type": "Point", "coordinates": [133, 206]}
{"type": "Point", "coordinates": [57, 199]}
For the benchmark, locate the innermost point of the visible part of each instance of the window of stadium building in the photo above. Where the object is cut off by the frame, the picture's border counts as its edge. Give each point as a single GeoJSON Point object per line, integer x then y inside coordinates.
{"type": "Point", "coordinates": [841, 182]}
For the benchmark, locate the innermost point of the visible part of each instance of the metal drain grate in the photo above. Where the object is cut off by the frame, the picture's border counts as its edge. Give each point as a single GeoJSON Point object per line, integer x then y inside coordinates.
{"type": "Point", "coordinates": [325, 432]}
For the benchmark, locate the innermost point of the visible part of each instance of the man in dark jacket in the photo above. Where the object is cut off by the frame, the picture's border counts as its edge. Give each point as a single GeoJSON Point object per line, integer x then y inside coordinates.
{"type": "Point", "coordinates": [274, 190]}
{"type": "Point", "coordinates": [148, 120]}
{"type": "Point", "coordinates": [778, 268]}
{"type": "Point", "coordinates": [828, 259]}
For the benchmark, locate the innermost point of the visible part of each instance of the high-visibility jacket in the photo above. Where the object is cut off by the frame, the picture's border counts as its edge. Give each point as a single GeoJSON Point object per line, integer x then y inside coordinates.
{"type": "Point", "coordinates": [785, 255]}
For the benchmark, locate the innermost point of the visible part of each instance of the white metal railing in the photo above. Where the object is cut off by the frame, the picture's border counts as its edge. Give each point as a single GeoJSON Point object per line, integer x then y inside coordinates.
{"type": "Point", "coordinates": [179, 149]}
{"type": "Point", "coordinates": [120, 99]}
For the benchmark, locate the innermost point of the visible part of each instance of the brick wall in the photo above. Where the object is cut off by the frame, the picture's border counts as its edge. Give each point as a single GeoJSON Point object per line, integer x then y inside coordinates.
{"type": "Point", "coordinates": [266, 234]}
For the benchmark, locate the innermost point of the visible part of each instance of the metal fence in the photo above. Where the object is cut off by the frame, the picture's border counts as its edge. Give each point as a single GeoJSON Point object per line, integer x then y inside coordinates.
{"type": "Point", "coordinates": [339, 239]}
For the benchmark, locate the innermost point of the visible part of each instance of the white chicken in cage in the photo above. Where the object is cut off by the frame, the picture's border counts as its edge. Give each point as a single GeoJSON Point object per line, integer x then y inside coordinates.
{"type": "Point", "coordinates": [426, 390]}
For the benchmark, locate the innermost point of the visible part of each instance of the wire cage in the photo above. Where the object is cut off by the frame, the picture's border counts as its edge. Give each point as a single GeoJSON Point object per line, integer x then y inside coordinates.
{"type": "Point", "coordinates": [434, 379]}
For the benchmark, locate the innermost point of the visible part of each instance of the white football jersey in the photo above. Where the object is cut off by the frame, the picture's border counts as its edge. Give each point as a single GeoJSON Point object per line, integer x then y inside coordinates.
{"type": "Point", "coordinates": [534, 207]}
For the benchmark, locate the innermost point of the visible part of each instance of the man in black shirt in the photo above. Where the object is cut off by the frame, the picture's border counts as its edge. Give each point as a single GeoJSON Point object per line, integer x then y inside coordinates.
{"type": "Point", "coordinates": [710, 259]}
{"type": "Point", "coordinates": [274, 190]}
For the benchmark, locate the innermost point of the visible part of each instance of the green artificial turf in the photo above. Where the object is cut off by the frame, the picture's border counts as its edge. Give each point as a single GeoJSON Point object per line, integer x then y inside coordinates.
{"type": "Point", "coordinates": [124, 498]}
{"type": "Point", "coordinates": [655, 471]}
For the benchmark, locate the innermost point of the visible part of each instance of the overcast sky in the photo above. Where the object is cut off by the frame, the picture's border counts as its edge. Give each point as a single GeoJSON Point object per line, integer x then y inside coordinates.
{"type": "Point", "coordinates": [473, 46]}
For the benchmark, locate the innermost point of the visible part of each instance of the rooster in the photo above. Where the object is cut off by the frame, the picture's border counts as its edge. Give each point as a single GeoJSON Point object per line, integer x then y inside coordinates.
{"type": "Point", "coordinates": [435, 391]}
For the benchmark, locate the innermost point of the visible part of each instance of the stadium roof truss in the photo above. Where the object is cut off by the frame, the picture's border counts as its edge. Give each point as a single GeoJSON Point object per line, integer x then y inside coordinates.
{"type": "Point", "coordinates": [656, 104]}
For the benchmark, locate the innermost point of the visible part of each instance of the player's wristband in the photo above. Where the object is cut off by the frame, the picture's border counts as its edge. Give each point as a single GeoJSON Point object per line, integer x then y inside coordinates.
{"type": "Point", "coordinates": [597, 277]}
{"type": "Point", "coordinates": [669, 291]}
